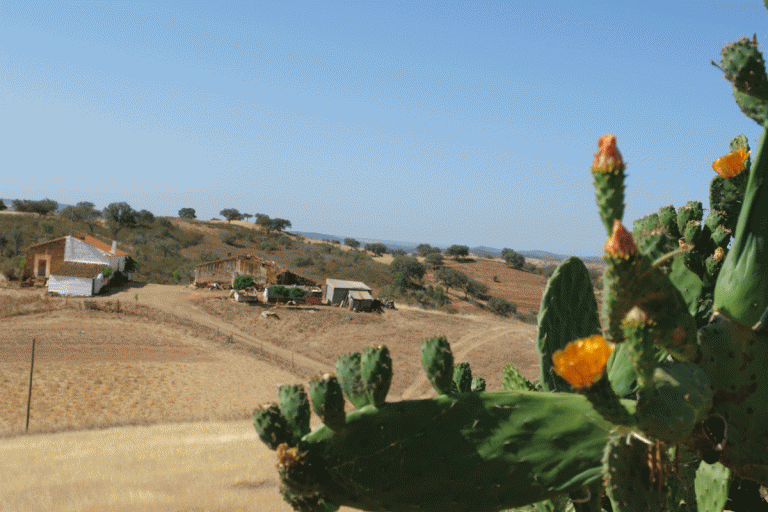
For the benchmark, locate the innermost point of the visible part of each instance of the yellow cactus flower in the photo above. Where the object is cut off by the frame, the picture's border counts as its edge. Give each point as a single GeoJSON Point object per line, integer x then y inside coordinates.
{"type": "Point", "coordinates": [620, 244]}
{"type": "Point", "coordinates": [582, 362]}
{"type": "Point", "coordinates": [732, 164]}
{"type": "Point", "coordinates": [607, 158]}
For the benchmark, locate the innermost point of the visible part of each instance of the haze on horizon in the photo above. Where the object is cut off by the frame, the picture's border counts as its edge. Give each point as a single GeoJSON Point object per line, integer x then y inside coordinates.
{"type": "Point", "coordinates": [467, 123]}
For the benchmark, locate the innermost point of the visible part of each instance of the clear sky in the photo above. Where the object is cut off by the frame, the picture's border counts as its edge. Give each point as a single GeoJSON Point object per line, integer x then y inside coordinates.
{"type": "Point", "coordinates": [467, 123]}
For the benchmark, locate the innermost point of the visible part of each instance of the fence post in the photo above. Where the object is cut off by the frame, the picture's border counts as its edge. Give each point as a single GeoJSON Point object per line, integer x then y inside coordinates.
{"type": "Point", "coordinates": [29, 395]}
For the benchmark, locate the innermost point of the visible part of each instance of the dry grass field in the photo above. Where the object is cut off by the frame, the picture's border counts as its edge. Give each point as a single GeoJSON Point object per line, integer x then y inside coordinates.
{"type": "Point", "coordinates": [179, 355]}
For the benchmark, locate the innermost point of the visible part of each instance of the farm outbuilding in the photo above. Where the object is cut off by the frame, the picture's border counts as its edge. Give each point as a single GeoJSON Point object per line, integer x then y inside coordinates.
{"type": "Point", "coordinates": [336, 290]}
{"type": "Point", "coordinates": [263, 272]}
{"type": "Point", "coordinates": [358, 300]}
{"type": "Point", "coordinates": [72, 278]}
{"type": "Point", "coordinates": [73, 264]}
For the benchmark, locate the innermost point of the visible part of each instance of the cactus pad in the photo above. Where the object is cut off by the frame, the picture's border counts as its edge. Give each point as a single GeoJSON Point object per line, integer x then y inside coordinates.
{"type": "Point", "coordinates": [350, 379]}
{"type": "Point", "coordinates": [437, 360]}
{"type": "Point", "coordinates": [272, 426]}
{"type": "Point", "coordinates": [376, 373]}
{"type": "Point", "coordinates": [327, 400]}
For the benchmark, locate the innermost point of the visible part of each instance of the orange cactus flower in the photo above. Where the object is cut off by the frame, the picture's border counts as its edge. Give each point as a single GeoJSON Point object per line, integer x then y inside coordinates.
{"type": "Point", "coordinates": [732, 164]}
{"type": "Point", "coordinates": [582, 362]}
{"type": "Point", "coordinates": [607, 158]}
{"type": "Point", "coordinates": [620, 244]}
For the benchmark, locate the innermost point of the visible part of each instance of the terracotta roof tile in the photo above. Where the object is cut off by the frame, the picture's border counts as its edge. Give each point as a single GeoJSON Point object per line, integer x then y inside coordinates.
{"type": "Point", "coordinates": [95, 242]}
{"type": "Point", "coordinates": [74, 269]}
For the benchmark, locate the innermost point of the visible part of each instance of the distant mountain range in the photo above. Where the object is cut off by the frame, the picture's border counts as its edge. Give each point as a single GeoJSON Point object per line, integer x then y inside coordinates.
{"type": "Point", "coordinates": [481, 250]}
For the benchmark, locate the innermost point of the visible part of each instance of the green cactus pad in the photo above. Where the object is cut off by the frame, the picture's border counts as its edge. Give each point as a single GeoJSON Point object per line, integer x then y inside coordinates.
{"type": "Point", "coordinates": [725, 198]}
{"type": "Point", "coordinates": [478, 384]}
{"type": "Point", "coordinates": [741, 291]}
{"type": "Point", "coordinates": [568, 312]}
{"type": "Point", "coordinates": [630, 483]}
{"type": "Point", "coordinates": [735, 357]}
{"type": "Point", "coordinates": [609, 189]}
{"type": "Point", "coordinates": [692, 211]}
{"type": "Point", "coordinates": [311, 502]}
{"type": "Point", "coordinates": [462, 378]}
{"type": "Point", "coordinates": [272, 426]}
{"type": "Point", "coordinates": [476, 451]}
{"type": "Point", "coordinates": [328, 400]}
{"type": "Point", "coordinates": [668, 221]}
{"type": "Point", "coordinates": [712, 484]}
{"type": "Point", "coordinates": [350, 379]}
{"type": "Point", "coordinates": [376, 373]}
{"type": "Point", "coordinates": [512, 380]}
{"type": "Point", "coordinates": [744, 67]}
{"type": "Point", "coordinates": [437, 360]}
{"type": "Point", "coordinates": [294, 405]}
{"type": "Point", "coordinates": [681, 397]}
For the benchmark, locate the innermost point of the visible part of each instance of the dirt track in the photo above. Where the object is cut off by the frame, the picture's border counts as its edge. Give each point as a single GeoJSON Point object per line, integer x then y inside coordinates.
{"type": "Point", "coordinates": [163, 360]}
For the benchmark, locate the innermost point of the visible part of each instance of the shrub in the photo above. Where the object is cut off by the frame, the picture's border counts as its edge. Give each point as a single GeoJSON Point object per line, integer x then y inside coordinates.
{"type": "Point", "coordinates": [280, 291]}
{"type": "Point", "coordinates": [303, 261]}
{"type": "Point", "coordinates": [476, 289]}
{"type": "Point", "coordinates": [106, 272]}
{"type": "Point", "coordinates": [501, 306]}
{"type": "Point", "coordinates": [242, 282]}
{"type": "Point", "coordinates": [297, 292]}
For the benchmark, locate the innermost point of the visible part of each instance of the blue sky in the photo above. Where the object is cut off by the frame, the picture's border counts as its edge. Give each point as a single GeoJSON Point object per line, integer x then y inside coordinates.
{"type": "Point", "coordinates": [472, 123]}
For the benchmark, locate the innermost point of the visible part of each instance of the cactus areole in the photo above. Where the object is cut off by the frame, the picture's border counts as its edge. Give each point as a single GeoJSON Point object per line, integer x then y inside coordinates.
{"type": "Point", "coordinates": [662, 407]}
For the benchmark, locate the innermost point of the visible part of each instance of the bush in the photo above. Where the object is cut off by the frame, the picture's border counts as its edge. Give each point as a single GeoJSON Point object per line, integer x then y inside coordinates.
{"type": "Point", "coordinates": [501, 306]}
{"type": "Point", "coordinates": [476, 289]}
{"type": "Point", "coordinates": [513, 259]}
{"type": "Point", "coordinates": [280, 291]}
{"type": "Point", "coordinates": [242, 282]}
{"type": "Point", "coordinates": [297, 292]}
{"type": "Point", "coordinates": [106, 272]}
{"type": "Point", "coordinates": [303, 261]}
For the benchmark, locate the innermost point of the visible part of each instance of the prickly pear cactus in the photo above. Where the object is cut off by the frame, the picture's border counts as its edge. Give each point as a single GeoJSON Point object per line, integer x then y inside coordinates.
{"type": "Point", "coordinates": [663, 407]}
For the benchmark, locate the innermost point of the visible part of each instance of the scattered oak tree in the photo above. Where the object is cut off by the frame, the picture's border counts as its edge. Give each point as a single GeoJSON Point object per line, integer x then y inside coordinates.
{"type": "Point", "coordinates": [119, 216]}
{"type": "Point", "coordinates": [513, 259]}
{"type": "Point", "coordinates": [84, 212]}
{"type": "Point", "coordinates": [187, 213]}
{"type": "Point", "coordinates": [145, 217]}
{"type": "Point", "coordinates": [230, 214]}
{"type": "Point", "coordinates": [43, 207]}
{"type": "Point", "coordinates": [457, 251]}
{"type": "Point", "coordinates": [411, 268]}
{"type": "Point", "coordinates": [352, 243]}
{"type": "Point", "coordinates": [434, 260]}
{"type": "Point", "coordinates": [425, 249]}
{"type": "Point", "coordinates": [2, 205]}
{"type": "Point", "coordinates": [378, 249]}
{"type": "Point", "coordinates": [452, 278]}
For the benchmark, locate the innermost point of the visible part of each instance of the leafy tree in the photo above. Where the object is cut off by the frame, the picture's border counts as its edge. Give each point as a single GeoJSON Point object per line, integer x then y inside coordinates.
{"type": "Point", "coordinates": [145, 217]}
{"type": "Point", "coordinates": [187, 213]}
{"type": "Point", "coordinates": [119, 216]}
{"type": "Point", "coordinates": [378, 249]}
{"type": "Point", "coordinates": [434, 260]}
{"type": "Point", "coordinates": [457, 251]}
{"type": "Point", "coordinates": [352, 243]}
{"type": "Point", "coordinates": [475, 288]}
{"type": "Point", "coordinates": [230, 214]}
{"type": "Point", "coordinates": [452, 278]}
{"type": "Point", "coordinates": [2, 205]}
{"type": "Point", "coordinates": [167, 246]}
{"type": "Point", "coordinates": [513, 259]}
{"type": "Point", "coordinates": [501, 307]}
{"type": "Point", "coordinates": [410, 267]}
{"type": "Point", "coordinates": [247, 216]}
{"type": "Point", "coordinates": [279, 224]}
{"type": "Point", "coordinates": [425, 249]}
{"type": "Point", "coordinates": [84, 212]}
{"type": "Point", "coordinates": [271, 224]}
{"type": "Point", "coordinates": [43, 207]}
{"type": "Point", "coordinates": [398, 252]}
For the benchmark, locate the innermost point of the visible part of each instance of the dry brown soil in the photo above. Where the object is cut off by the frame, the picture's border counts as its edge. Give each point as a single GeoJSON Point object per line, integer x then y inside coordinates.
{"type": "Point", "coordinates": [179, 355]}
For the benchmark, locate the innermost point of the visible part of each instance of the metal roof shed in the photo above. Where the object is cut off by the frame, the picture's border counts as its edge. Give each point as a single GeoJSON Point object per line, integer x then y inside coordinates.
{"type": "Point", "coordinates": [336, 289]}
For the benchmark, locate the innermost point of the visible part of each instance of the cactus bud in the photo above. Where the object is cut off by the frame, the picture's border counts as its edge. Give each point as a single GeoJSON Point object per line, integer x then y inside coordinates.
{"type": "Point", "coordinates": [620, 245]}
{"type": "Point", "coordinates": [607, 159]}
{"type": "Point", "coordinates": [582, 362]}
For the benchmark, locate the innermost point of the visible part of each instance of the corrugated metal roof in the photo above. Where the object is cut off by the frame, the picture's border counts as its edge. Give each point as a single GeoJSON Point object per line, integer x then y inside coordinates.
{"type": "Point", "coordinates": [359, 295]}
{"type": "Point", "coordinates": [74, 269]}
{"type": "Point", "coordinates": [350, 285]}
